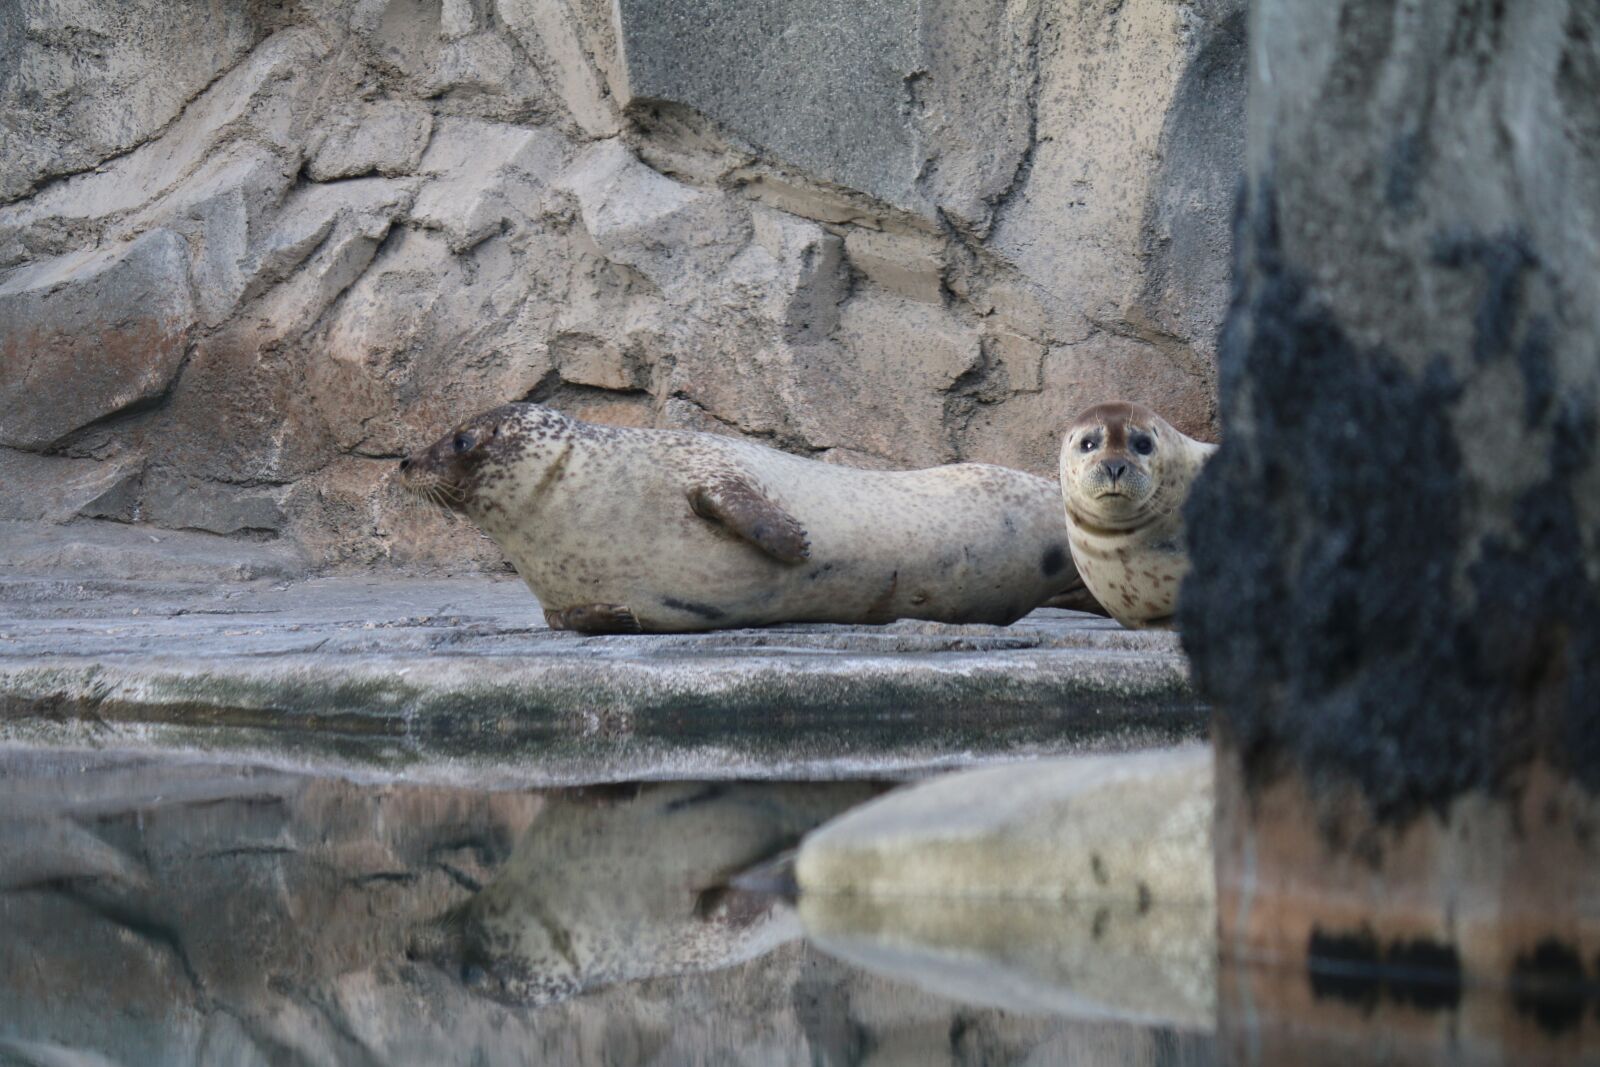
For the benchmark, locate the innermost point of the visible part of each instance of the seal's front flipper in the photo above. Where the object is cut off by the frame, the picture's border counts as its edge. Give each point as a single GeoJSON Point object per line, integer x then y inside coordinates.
{"type": "Point", "coordinates": [594, 619]}
{"type": "Point", "coordinates": [1077, 598]}
{"type": "Point", "coordinates": [745, 511]}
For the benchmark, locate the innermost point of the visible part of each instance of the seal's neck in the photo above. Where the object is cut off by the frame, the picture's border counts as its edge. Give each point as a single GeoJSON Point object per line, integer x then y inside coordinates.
{"type": "Point", "coordinates": [511, 493]}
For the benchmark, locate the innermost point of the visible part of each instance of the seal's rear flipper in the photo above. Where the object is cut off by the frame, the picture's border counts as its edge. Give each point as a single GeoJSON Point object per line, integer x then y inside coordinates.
{"type": "Point", "coordinates": [1077, 598]}
{"type": "Point", "coordinates": [745, 511]}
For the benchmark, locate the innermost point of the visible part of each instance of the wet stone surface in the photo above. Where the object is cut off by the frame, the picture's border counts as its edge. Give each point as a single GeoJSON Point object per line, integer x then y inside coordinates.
{"type": "Point", "coordinates": [459, 680]}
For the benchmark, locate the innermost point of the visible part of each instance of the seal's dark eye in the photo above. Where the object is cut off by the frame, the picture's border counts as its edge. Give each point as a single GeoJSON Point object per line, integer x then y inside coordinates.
{"type": "Point", "coordinates": [1088, 444]}
{"type": "Point", "coordinates": [462, 442]}
{"type": "Point", "coordinates": [1144, 444]}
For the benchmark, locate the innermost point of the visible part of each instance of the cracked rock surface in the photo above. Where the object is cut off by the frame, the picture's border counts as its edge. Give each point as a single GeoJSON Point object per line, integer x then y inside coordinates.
{"type": "Point", "coordinates": [251, 253]}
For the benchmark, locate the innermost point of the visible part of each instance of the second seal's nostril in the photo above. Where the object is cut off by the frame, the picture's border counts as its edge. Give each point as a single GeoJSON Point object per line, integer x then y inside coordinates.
{"type": "Point", "coordinates": [405, 463]}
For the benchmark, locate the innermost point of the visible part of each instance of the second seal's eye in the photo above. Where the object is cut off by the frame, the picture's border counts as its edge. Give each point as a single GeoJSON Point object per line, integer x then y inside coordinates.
{"type": "Point", "coordinates": [1087, 445]}
{"type": "Point", "coordinates": [1144, 445]}
{"type": "Point", "coordinates": [462, 442]}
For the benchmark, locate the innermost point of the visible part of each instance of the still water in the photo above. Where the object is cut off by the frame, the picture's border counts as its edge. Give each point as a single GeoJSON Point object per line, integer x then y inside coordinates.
{"type": "Point", "coordinates": [159, 911]}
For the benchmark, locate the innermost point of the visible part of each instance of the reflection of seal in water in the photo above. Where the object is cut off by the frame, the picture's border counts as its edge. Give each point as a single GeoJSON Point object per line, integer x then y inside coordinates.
{"type": "Point", "coordinates": [618, 883]}
{"type": "Point", "coordinates": [620, 530]}
{"type": "Point", "coordinates": [1125, 474]}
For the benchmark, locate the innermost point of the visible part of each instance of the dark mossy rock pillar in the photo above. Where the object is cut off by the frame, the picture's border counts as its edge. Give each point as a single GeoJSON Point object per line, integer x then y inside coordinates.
{"type": "Point", "coordinates": [1395, 603]}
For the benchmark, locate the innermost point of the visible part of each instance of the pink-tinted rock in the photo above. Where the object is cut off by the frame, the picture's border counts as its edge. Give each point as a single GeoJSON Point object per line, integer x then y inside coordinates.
{"type": "Point", "coordinates": [89, 335]}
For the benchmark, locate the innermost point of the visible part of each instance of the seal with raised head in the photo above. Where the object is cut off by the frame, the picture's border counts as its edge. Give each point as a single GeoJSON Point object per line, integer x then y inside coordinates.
{"type": "Point", "coordinates": [1125, 474]}
{"type": "Point", "coordinates": [627, 530]}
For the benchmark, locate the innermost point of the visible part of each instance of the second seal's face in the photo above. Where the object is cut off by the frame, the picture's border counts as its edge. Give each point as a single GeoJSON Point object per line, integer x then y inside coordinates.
{"type": "Point", "coordinates": [1111, 461]}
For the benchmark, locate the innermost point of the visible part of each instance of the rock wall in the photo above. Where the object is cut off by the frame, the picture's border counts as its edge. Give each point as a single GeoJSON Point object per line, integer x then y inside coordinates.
{"type": "Point", "coordinates": [252, 252]}
{"type": "Point", "coordinates": [1395, 602]}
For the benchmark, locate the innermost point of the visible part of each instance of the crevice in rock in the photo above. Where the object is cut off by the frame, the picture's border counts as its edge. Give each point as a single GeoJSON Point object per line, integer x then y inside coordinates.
{"type": "Point", "coordinates": [1177, 350]}
{"type": "Point", "coordinates": [1001, 201]}
{"type": "Point", "coordinates": [540, 65]}
{"type": "Point", "coordinates": [46, 181]}
{"type": "Point", "coordinates": [385, 244]}
{"type": "Point", "coordinates": [985, 384]}
{"type": "Point", "coordinates": [72, 444]}
{"type": "Point", "coordinates": [682, 143]}
{"type": "Point", "coordinates": [137, 922]}
{"type": "Point", "coordinates": [786, 442]}
{"type": "Point", "coordinates": [554, 391]}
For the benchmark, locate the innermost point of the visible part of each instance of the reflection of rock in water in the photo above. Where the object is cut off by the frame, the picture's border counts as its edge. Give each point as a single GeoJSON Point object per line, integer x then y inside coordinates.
{"type": "Point", "coordinates": [1154, 964]}
{"type": "Point", "coordinates": [161, 912]}
{"type": "Point", "coordinates": [148, 907]}
{"type": "Point", "coordinates": [619, 883]}
{"type": "Point", "coordinates": [1337, 1013]}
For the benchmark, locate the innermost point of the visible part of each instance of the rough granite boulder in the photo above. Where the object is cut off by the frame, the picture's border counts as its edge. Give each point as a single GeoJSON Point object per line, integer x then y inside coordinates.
{"type": "Point", "coordinates": [915, 236]}
{"type": "Point", "coordinates": [1395, 600]}
{"type": "Point", "coordinates": [1130, 830]}
{"type": "Point", "coordinates": [90, 334]}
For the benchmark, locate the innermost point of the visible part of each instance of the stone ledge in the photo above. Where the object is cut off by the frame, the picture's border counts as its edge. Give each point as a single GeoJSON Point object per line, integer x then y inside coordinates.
{"type": "Point", "coordinates": [1130, 831]}
{"type": "Point", "coordinates": [457, 679]}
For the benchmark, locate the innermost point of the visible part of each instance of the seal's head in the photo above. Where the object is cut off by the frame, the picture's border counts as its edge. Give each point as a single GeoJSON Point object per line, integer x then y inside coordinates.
{"type": "Point", "coordinates": [504, 446]}
{"type": "Point", "coordinates": [1112, 461]}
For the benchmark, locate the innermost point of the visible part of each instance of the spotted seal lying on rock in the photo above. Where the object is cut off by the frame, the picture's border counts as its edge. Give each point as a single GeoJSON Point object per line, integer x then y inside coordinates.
{"type": "Point", "coordinates": [631, 530]}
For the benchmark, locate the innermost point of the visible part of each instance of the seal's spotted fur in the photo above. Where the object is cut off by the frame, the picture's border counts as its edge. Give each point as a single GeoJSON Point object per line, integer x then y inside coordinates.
{"type": "Point", "coordinates": [620, 530]}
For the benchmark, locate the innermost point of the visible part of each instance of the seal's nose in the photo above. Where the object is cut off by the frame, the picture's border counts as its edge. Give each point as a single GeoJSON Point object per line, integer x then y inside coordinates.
{"type": "Point", "coordinates": [405, 463]}
{"type": "Point", "coordinates": [1115, 468]}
